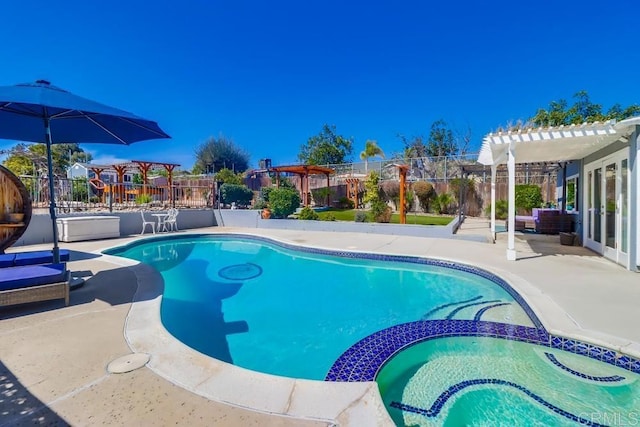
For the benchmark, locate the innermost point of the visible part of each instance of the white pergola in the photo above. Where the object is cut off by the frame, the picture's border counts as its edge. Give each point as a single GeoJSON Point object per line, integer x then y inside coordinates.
{"type": "Point", "coordinates": [557, 144]}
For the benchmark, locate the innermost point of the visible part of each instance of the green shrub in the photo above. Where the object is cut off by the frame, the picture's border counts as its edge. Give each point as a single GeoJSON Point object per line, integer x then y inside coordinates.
{"type": "Point", "coordinates": [502, 209]}
{"type": "Point", "coordinates": [329, 217]}
{"type": "Point", "coordinates": [443, 203]}
{"type": "Point", "coordinates": [361, 216]}
{"type": "Point", "coordinates": [425, 194]}
{"type": "Point", "coordinates": [346, 203]}
{"type": "Point", "coordinates": [143, 199]}
{"type": "Point", "coordinates": [240, 194]}
{"type": "Point", "coordinates": [380, 211]}
{"type": "Point", "coordinates": [308, 214]}
{"type": "Point", "coordinates": [283, 202]}
{"type": "Point", "coordinates": [528, 196]}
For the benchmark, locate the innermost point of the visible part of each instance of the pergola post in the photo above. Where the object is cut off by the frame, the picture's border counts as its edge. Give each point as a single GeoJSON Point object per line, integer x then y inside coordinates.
{"type": "Point", "coordinates": [403, 181]}
{"type": "Point", "coordinates": [634, 200]}
{"type": "Point", "coordinates": [511, 222]}
{"type": "Point", "coordinates": [494, 169]}
{"type": "Point", "coordinates": [328, 191]}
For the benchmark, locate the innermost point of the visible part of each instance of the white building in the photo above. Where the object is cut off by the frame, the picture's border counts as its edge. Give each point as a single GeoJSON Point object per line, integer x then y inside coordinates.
{"type": "Point", "coordinates": [604, 171]}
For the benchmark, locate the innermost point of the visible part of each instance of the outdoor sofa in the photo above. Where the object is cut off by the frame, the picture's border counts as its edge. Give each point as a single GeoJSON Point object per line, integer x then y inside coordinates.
{"type": "Point", "coordinates": [31, 283]}
{"type": "Point", "coordinates": [31, 258]}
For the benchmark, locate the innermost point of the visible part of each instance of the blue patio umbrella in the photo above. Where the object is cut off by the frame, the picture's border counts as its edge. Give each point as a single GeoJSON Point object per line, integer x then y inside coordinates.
{"type": "Point", "coordinates": [40, 112]}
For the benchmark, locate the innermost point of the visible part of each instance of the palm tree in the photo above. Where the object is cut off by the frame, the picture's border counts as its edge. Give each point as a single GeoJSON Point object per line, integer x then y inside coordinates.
{"type": "Point", "coordinates": [371, 149]}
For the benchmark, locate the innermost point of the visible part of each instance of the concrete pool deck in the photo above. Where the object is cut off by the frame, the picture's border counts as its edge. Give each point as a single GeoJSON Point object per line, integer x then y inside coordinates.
{"type": "Point", "coordinates": [54, 359]}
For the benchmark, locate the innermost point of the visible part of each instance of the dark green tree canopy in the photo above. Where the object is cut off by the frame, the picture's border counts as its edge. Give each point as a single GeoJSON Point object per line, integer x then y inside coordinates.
{"type": "Point", "coordinates": [442, 141]}
{"type": "Point", "coordinates": [326, 148]}
{"type": "Point", "coordinates": [583, 110]}
{"type": "Point", "coordinates": [218, 153]}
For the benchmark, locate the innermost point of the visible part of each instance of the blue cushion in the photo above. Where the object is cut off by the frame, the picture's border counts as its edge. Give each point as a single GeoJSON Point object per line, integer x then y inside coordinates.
{"type": "Point", "coordinates": [6, 260]}
{"type": "Point", "coordinates": [39, 257]}
{"type": "Point", "coordinates": [32, 275]}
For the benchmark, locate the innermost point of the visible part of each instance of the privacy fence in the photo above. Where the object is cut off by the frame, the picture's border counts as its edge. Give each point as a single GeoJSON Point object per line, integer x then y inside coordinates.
{"type": "Point", "coordinates": [443, 173]}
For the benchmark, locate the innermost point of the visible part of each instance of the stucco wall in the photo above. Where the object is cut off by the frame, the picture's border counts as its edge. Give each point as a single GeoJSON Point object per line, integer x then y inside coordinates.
{"type": "Point", "coordinates": [40, 230]}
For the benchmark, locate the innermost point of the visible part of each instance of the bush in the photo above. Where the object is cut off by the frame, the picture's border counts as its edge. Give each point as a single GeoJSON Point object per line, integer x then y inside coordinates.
{"type": "Point", "coordinates": [329, 217]}
{"type": "Point", "coordinates": [143, 199]}
{"type": "Point", "coordinates": [443, 203]}
{"type": "Point", "coordinates": [528, 196]}
{"type": "Point", "coordinates": [283, 202]}
{"type": "Point", "coordinates": [240, 194]}
{"type": "Point", "coordinates": [308, 214]}
{"type": "Point", "coordinates": [380, 211]}
{"type": "Point", "coordinates": [425, 193]}
{"type": "Point", "coordinates": [361, 216]}
{"type": "Point", "coordinates": [346, 203]}
{"type": "Point", "coordinates": [502, 209]}
{"type": "Point", "coordinates": [391, 191]}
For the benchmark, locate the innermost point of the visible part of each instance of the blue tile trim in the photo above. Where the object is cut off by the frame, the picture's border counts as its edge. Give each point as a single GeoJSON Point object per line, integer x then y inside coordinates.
{"type": "Point", "coordinates": [555, 361]}
{"type": "Point", "coordinates": [363, 360]}
{"type": "Point", "coordinates": [462, 307]}
{"type": "Point", "coordinates": [485, 309]}
{"type": "Point", "coordinates": [446, 395]}
{"type": "Point", "coordinates": [440, 307]}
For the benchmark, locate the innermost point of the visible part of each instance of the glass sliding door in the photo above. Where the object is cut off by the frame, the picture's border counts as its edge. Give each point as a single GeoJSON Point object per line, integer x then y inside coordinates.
{"type": "Point", "coordinates": [610, 206]}
{"type": "Point", "coordinates": [606, 217]}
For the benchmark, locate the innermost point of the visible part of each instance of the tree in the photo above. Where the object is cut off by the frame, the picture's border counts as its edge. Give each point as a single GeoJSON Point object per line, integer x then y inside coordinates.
{"type": "Point", "coordinates": [583, 110]}
{"type": "Point", "coordinates": [371, 149]}
{"type": "Point", "coordinates": [218, 153]}
{"type": "Point", "coordinates": [24, 159]}
{"type": "Point", "coordinates": [374, 197]}
{"type": "Point", "coordinates": [228, 177]}
{"type": "Point", "coordinates": [326, 148]}
{"type": "Point", "coordinates": [442, 141]}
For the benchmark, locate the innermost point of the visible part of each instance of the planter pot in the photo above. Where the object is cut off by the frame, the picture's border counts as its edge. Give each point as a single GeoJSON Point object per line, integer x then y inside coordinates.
{"type": "Point", "coordinates": [567, 239]}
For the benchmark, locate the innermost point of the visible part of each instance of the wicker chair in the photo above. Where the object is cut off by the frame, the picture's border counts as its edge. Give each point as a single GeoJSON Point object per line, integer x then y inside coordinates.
{"type": "Point", "coordinates": [31, 283]}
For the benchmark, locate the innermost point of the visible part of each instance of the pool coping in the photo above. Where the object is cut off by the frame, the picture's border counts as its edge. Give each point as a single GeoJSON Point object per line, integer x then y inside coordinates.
{"type": "Point", "coordinates": [332, 402]}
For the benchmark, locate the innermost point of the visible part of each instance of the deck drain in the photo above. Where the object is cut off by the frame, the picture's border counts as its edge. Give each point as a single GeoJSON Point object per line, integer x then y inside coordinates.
{"type": "Point", "coordinates": [240, 271]}
{"type": "Point", "coordinates": [128, 363]}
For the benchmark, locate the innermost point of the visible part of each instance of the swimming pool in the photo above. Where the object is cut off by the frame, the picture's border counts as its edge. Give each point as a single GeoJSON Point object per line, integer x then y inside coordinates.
{"type": "Point", "coordinates": [493, 381]}
{"type": "Point", "coordinates": [291, 312]}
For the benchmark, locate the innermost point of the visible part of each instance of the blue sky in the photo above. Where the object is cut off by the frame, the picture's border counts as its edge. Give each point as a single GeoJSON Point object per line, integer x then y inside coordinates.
{"type": "Point", "coordinates": [270, 74]}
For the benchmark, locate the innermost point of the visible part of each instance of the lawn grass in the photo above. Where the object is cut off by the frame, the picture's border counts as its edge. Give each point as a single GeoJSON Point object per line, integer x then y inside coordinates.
{"type": "Point", "coordinates": [412, 218]}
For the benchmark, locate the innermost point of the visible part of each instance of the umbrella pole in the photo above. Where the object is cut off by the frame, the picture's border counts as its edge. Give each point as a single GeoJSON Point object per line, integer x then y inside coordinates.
{"type": "Point", "coordinates": [52, 200]}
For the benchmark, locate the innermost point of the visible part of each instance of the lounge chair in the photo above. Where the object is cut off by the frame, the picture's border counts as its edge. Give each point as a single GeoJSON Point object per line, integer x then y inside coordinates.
{"type": "Point", "coordinates": [31, 258]}
{"type": "Point", "coordinates": [31, 283]}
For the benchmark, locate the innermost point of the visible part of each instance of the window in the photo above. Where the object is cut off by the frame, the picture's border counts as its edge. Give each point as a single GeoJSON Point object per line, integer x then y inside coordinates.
{"type": "Point", "coordinates": [572, 194]}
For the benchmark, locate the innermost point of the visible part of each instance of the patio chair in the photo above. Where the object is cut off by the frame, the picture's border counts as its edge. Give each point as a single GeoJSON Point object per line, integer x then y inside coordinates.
{"type": "Point", "coordinates": [171, 222]}
{"type": "Point", "coordinates": [31, 283]}
{"type": "Point", "coordinates": [145, 223]}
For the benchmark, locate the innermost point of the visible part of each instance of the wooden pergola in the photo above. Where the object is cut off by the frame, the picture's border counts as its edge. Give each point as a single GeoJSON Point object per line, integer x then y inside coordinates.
{"type": "Point", "coordinates": [303, 171]}
{"type": "Point", "coordinates": [143, 167]}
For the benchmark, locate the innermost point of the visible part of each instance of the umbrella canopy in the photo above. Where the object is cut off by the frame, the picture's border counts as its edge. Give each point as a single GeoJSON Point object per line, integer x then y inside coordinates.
{"type": "Point", "coordinates": [40, 112]}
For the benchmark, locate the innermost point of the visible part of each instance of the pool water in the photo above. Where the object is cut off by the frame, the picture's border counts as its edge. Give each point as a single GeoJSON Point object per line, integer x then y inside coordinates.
{"type": "Point", "coordinates": [291, 313]}
{"type": "Point", "coordinates": [483, 381]}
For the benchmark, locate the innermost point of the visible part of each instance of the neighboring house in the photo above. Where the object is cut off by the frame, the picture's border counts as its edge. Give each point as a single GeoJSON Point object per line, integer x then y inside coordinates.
{"type": "Point", "coordinates": [602, 180]}
{"type": "Point", "coordinates": [84, 170]}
